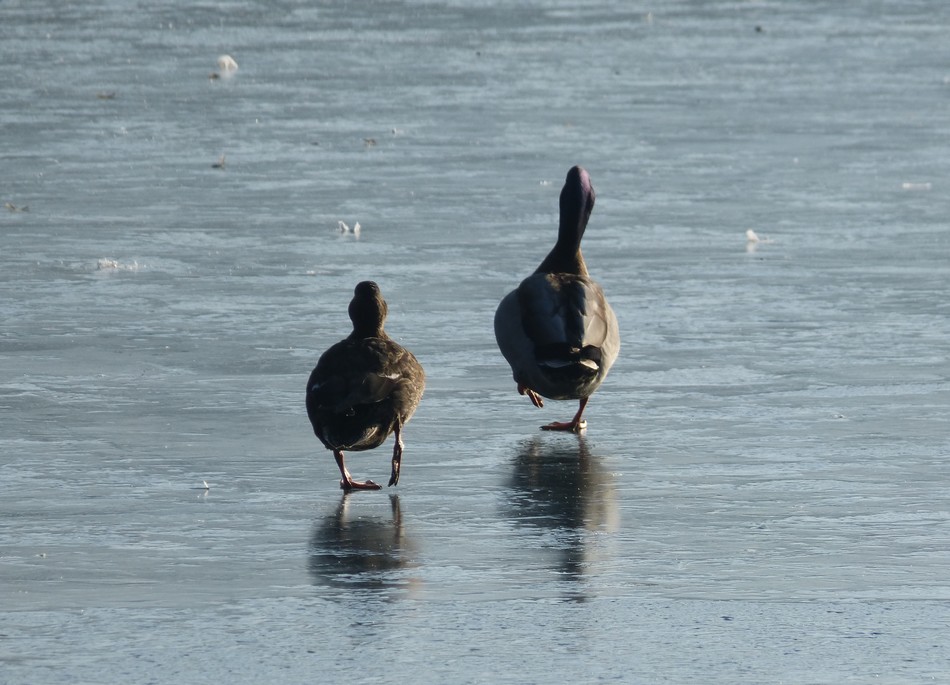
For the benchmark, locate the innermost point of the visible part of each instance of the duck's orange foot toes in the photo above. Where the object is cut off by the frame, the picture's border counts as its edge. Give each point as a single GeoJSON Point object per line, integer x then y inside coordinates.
{"type": "Point", "coordinates": [566, 426]}
{"type": "Point", "coordinates": [532, 395]}
{"type": "Point", "coordinates": [358, 485]}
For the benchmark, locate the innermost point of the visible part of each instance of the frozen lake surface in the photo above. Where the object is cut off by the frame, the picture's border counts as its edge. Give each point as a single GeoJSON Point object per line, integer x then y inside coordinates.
{"type": "Point", "coordinates": [763, 492]}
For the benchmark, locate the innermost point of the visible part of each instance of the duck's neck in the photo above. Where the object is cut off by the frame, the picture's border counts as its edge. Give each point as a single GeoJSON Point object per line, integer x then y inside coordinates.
{"type": "Point", "coordinates": [367, 330]}
{"type": "Point", "coordinates": [566, 257]}
{"type": "Point", "coordinates": [564, 261]}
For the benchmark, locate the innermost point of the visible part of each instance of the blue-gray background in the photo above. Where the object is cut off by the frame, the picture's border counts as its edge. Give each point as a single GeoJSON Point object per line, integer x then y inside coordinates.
{"type": "Point", "coordinates": [762, 494]}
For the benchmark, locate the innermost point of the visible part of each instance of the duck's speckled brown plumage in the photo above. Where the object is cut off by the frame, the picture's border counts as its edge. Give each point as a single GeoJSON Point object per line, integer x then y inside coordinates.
{"type": "Point", "coordinates": [364, 387]}
{"type": "Point", "coordinates": [557, 330]}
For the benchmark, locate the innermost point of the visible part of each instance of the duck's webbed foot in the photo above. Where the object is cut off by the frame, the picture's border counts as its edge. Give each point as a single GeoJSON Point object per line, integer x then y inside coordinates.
{"type": "Point", "coordinates": [351, 484]}
{"type": "Point", "coordinates": [532, 395]}
{"type": "Point", "coordinates": [568, 426]}
{"type": "Point", "coordinates": [575, 425]}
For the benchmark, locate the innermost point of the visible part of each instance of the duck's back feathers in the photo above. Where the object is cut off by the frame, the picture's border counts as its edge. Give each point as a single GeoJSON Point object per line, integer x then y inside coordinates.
{"type": "Point", "coordinates": [563, 312]}
{"type": "Point", "coordinates": [360, 390]}
{"type": "Point", "coordinates": [559, 334]}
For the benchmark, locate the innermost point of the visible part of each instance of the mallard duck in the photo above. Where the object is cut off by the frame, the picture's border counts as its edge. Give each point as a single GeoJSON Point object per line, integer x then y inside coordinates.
{"type": "Point", "coordinates": [364, 388]}
{"type": "Point", "coordinates": [556, 329]}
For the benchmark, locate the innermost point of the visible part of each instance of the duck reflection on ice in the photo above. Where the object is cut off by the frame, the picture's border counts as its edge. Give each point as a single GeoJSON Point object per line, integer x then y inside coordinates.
{"type": "Point", "coordinates": [564, 492]}
{"type": "Point", "coordinates": [354, 551]}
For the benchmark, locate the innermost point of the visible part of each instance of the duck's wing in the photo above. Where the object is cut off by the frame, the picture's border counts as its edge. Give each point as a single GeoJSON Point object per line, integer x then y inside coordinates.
{"type": "Point", "coordinates": [566, 317]}
{"type": "Point", "coordinates": [372, 371]}
{"type": "Point", "coordinates": [405, 377]}
{"type": "Point", "coordinates": [515, 345]}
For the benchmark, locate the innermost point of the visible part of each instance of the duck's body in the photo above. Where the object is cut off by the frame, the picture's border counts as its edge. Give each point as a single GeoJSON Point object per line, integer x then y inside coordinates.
{"type": "Point", "coordinates": [364, 388]}
{"type": "Point", "coordinates": [557, 330]}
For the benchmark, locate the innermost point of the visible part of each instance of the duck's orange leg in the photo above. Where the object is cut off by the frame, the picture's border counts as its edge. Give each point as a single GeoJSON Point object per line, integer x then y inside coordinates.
{"type": "Point", "coordinates": [347, 483]}
{"type": "Point", "coordinates": [397, 457]}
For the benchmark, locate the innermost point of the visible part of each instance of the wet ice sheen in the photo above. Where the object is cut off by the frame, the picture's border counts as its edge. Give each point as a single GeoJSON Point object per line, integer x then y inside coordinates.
{"type": "Point", "coordinates": [762, 493]}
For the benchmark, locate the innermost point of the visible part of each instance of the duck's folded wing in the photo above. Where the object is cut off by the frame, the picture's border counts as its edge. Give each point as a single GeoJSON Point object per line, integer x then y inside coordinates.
{"type": "Point", "coordinates": [348, 376]}
{"type": "Point", "coordinates": [372, 388]}
{"type": "Point", "coordinates": [563, 314]}
{"type": "Point", "coordinates": [339, 393]}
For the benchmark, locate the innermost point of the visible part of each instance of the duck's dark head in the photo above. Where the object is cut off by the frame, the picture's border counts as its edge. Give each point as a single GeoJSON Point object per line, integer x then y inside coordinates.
{"type": "Point", "coordinates": [367, 310]}
{"type": "Point", "coordinates": [577, 202]}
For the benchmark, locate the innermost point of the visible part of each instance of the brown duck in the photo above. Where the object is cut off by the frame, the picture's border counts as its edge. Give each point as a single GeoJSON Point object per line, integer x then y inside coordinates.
{"type": "Point", "coordinates": [364, 388]}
